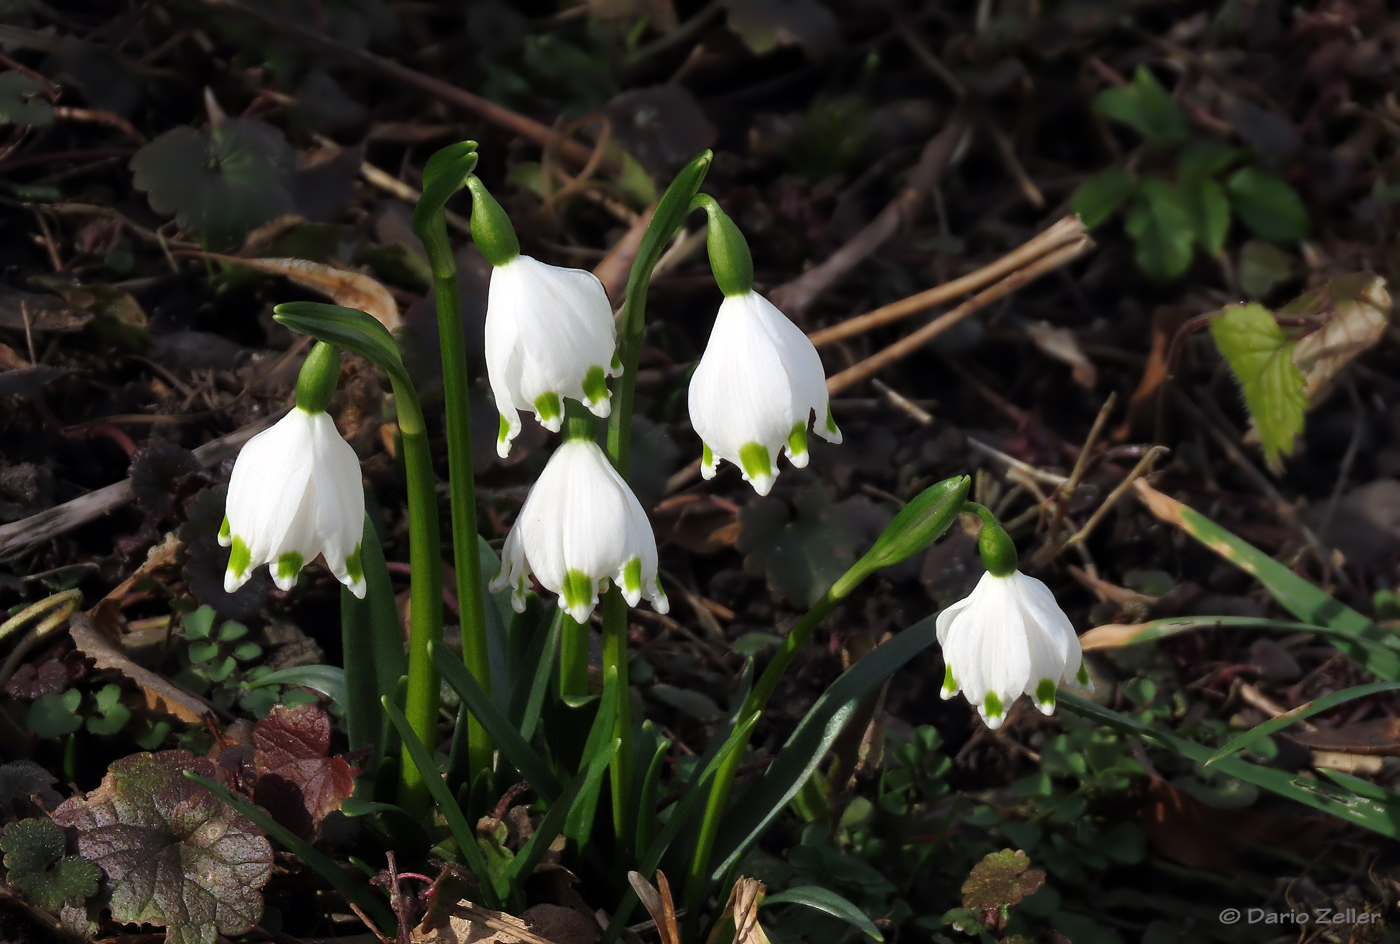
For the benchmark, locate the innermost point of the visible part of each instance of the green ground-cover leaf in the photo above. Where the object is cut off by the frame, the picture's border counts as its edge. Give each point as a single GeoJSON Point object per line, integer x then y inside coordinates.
{"type": "Point", "coordinates": [174, 854]}
{"type": "Point", "coordinates": [36, 865]}
{"type": "Point", "coordinates": [1261, 355]}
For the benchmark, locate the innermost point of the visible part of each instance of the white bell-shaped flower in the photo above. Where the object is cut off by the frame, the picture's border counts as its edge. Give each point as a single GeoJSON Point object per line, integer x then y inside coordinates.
{"type": "Point", "coordinates": [549, 335]}
{"type": "Point", "coordinates": [758, 385]}
{"type": "Point", "coordinates": [295, 493]}
{"type": "Point", "coordinates": [1006, 638]}
{"type": "Point", "coordinates": [581, 526]}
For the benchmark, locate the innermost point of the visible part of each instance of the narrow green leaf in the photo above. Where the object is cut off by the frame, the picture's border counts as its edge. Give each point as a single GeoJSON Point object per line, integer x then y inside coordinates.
{"type": "Point", "coordinates": [372, 641]}
{"type": "Point", "coordinates": [329, 680]}
{"type": "Point", "coordinates": [1146, 107]}
{"type": "Point", "coordinates": [1261, 355]}
{"type": "Point", "coordinates": [350, 328]}
{"type": "Point", "coordinates": [1096, 198]}
{"type": "Point", "coordinates": [1268, 205]}
{"type": "Point", "coordinates": [585, 784]}
{"type": "Point", "coordinates": [648, 822]}
{"type": "Point", "coordinates": [1306, 710]}
{"type": "Point", "coordinates": [1161, 230]}
{"type": "Point", "coordinates": [824, 899]}
{"type": "Point", "coordinates": [761, 803]}
{"type": "Point", "coordinates": [579, 824]}
{"type": "Point", "coordinates": [359, 892]}
{"type": "Point", "coordinates": [491, 893]}
{"type": "Point", "coordinates": [1351, 632]}
{"type": "Point", "coordinates": [514, 748]}
{"type": "Point", "coordinates": [543, 672]}
{"type": "Point", "coordinates": [1380, 814]}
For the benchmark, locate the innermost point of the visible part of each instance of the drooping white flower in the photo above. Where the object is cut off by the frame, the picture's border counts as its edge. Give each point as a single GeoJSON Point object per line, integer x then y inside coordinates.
{"type": "Point", "coordinates": [581, 526]}
{"type": "Point", "coordinates": [758, 385]}
{"type": "Point", "coordinates": [295, 493]}
{"type": "Point", "coordinates": [549, 335]}
{"type": "Point", "coordinates": [1006, 638]}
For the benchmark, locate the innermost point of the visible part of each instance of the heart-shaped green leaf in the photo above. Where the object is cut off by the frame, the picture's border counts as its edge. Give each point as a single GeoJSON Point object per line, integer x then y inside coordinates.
{"type": "Point", "coordinates": [221, 184]}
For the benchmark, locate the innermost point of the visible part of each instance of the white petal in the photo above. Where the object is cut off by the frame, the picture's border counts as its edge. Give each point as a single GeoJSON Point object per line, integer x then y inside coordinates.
{"type": "Point", "coordinates": [800, 361]}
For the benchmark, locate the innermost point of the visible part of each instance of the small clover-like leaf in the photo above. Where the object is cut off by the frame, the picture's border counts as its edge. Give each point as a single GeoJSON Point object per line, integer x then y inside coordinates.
{"type": "Point", "coordinates": [1261, 355]}
{"type": "Point", "coordinates": [21, 102]}
{"type": "Point", "coordinates": [298, 782]}
{"type": "Point", "coordinates": [1000, 880]}
{"type": "Point", "coordinates": [37, 867]}
{"type": "Point", "coordinates": [221, 184]}
{"type": "Point", "coordinates": [173, 853]}
{"type": "Point", "coordinates": [55, 716]}
{"type": "Point", "coordinates": [199, 623]}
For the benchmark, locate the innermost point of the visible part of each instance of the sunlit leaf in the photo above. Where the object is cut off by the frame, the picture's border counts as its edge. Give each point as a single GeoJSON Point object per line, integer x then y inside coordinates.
{"type": "Point", "coordinates": [1261, 355]}
{"type": "Point", "coordinates": [173, 853]}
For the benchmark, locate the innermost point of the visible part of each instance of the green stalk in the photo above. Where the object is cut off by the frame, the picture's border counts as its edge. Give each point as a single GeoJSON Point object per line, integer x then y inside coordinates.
{"type": "Point", "coordinates": [697, 876]}
{"type": "Point", "coordinates": [447, 172]}
{"type": "Point", "coordinates": [670, 213]}
{"type": "Point", "coordinates": [425, 594]}
{"type": "Point", "coordinates": [465, 549]}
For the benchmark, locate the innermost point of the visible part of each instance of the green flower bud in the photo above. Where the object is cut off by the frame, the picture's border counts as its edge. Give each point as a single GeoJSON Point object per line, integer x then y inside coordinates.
{"type": "Point", "coordinates": [318, 378]}
{"type": "Point", "coordinates": [994, 544]}
{"type": "Point", "coordinates": [918, 524]}
{"type": "Point", "coordinates": [491, 228]}
{"type": "Point", "coordinates": [730, 260]}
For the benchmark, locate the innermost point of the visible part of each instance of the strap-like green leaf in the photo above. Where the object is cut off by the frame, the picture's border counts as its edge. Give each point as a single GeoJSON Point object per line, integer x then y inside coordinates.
{"type": "Point", "coordinates": [1306, 710]}
{"type": "Point", "coordinates": [583, 788]}
{"type": "Point", "coordinates": [810, 742]}
{"type": "Point", "coordinates": [1352, 633]}
{"type": "Point", "coordinates": [492, 892]}
{"type": "Point", "coordinates": [824, 899]}
{"type": "Point", "coordinates": [514, 748]}
{"type": "Point", "coordinates": [373, 646]}
{"type": "Point", "coordinates": [329, 680]}
{"type": "Point", "coordinates": [349, 328]}
{"type": "Point", "coordinates": [358, 892]}
{"type": "Point", "coordinates": [1380, 813]}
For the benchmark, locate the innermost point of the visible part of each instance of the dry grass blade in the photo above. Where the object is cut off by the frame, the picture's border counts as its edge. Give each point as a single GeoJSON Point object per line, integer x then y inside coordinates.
{"type": "Point", "coordinates": [659, 905]}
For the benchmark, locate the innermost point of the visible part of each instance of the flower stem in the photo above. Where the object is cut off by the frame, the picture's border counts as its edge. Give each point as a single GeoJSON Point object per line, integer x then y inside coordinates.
{"type": "Point", "coordinates": [465, 552]}
{"type": "Point", "coordinates": [425, 594]}
{"type": "Point", "coordinates": [698, 874]}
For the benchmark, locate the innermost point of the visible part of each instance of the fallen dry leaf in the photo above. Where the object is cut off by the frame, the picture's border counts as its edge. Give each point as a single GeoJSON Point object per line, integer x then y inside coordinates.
{"type": "Point", "coordinates": [1355, 310]}
{"type": "Point", "coordinates": [1379, 738]}
{"type": "Point", "coordinates": [465, 923]}
{"type": "Point", "coordinates": [342, 286]}
{"type": "Point", "coordinates": [1061, 344]}
{"type": "Point", "coordinates": [160, 695]}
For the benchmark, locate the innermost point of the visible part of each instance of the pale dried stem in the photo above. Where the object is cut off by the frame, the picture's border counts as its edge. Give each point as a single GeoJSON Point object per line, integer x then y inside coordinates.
{"type": "Point", "coordinates": [1064, 232]}
{"type": "Point", "coordinates": [912, 342]}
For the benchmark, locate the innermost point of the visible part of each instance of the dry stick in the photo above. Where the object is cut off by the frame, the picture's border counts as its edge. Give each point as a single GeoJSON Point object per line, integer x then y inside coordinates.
{"type": "Point", "coordinates": [795, 297]}
{"type": "Point", "coordinates": [1066, 491]}
{"type": "Point", "coordinates": [541, 134]}
{"type": "Point", "coordinates": [1064, 232]}
{"type": "Point", "coordinates": [1143, 467]}
{"type": "Point", "coordinates": [18, 535]}
{"type": "Point", "coordinates": [912, 342]}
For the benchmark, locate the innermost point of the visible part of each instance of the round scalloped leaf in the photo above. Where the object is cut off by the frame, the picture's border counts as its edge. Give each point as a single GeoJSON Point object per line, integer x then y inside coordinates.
{"type": "Point", "coordinates": [38, 868]}
{"type": "Point", "coordinates": [221, 185]}
{"type": "Point", "coordinates": [174, 854]}
{"type": "Point", "coordinates": [21, 101]}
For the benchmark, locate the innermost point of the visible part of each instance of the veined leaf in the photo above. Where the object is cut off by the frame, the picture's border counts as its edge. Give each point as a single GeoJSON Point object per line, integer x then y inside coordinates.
{"type": "Point", "coordinates": [1261, 355]}
{"type": "Point", "coordinates": [1144, 106]}
{"type": "Point", "coordinates": [1162, 231]}
{"type": "Point", "coordinates": [1306, 710]}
